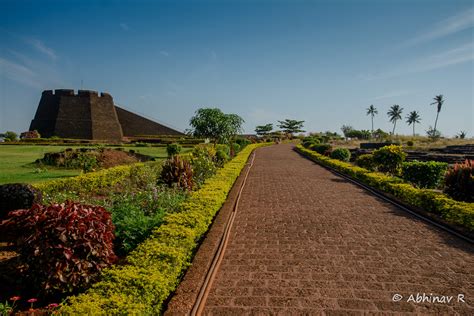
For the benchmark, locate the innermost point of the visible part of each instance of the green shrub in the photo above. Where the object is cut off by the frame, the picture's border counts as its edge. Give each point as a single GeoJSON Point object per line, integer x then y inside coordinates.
{"type": "Point", "coordinates": [410, 143]}
{"type": "Point", "coordinates": [154, 268]}
{"type": "Point", "coordinates": [342, 154]}
{"type": "Point", "coordinates": [10, 136]}
{"type": "Point", "coordinates": [96, 182]}
{"type": "Point", "coordinates": [222, 154]}
{"type": "Point", "coordinates": [424, 174]}
{"type": "Point", "coordinates": [177, 171]}
{"type": "Point", "coordinates": [203, 167]}
{"type": "Point", "coordinates": [459, 181]}
{"type": "Point", "coordinates": [459, 213]}
{"type": "Point", "coordinates": [322, 149]}
{"type": "Point", "coordinates": [173, 149]}
{"type": "Point", "coordinates": [366, 161]}
{"type": "Point", "coordinates": [136, 214]}
{"type": "Point", "coordinates": [243, 142]}
{"type": "Point", "coordinates": [389, 159]}
{"type": "Point", "coordinates": [235, 148]}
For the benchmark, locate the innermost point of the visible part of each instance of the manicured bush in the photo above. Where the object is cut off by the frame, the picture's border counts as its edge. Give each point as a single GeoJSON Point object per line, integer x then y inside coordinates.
{"type": "Point", "coordinates": [389, 159]}
{"type": "Point", "coordinates": [243, 142]}
{"type": "Point", "coordinates": [459, 181]}
{"type": "Point", "coordinates": [222, 154]}
{"type": "Point", "coordinates": [203, 168]}
{"type": "Point", "coordinates": [177, 171]}
{"type": "Point", "coordinates": [63, 246]}
{"type": "Point", "coordinates": [173, 149]}
{"type": "Point", "coordinates": [322, 149]}
{"type": "Point", "coordinates": [410, 143]}
{"type": "Point", "coordinates": [153, 270]}
{"type": "Point", "coordinates": [366, 161]}
{"type": "Point", "coordinates": [235, 148]}
{"type": "Point", "coordinates": [342, 154]}
{"type": "Point", "coordinates": [459, 213]}
{"type": "Point", "coordinates": [136, 214]}
{"type": "Point", "coordinates": [103, 180]}
{"type": "Point", "coordinates": [310, 142]}
{"type": "Point", "coordinates": [427, 175]}
{"type": "Point", "coordinates": [17, 196]}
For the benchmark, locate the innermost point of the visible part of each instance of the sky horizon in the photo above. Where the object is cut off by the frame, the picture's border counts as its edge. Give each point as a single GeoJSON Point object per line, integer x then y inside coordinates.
{"type": "Point", "coordinates": [323, 62]}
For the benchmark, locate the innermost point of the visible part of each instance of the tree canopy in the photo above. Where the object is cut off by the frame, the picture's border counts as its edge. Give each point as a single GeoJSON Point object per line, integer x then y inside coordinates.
{"type": "Point", "coordinates": [263, 130]}
{"type": "Point", "coordinates": [291, 126]}
{"type": "Point", "coordinates": [212, 123]}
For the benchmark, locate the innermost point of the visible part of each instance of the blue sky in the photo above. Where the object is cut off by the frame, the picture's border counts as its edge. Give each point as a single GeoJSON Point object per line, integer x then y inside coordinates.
{"type": "Point", "coordinates": [323, 62]}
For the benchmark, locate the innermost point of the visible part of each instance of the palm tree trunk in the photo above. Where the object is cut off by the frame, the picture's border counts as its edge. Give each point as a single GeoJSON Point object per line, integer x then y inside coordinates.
{"type": "Point", "coordinates": [413, 129]}
{"type": "Point", "coordinates": [436, 121]}
{"type": "Point", "coordinates": [372, 124]}
{"type": "Point", "coordinates": [394, 124]}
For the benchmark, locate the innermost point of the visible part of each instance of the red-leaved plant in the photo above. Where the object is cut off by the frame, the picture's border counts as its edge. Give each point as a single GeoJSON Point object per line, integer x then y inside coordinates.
{"type": "Point", "coordinates": [459, 181]}
{"type": "Point", "coordinates": [62, 247]}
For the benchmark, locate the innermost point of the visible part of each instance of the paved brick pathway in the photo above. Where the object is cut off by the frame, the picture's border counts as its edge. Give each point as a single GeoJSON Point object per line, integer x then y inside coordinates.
{"type": "Point", "coordinates": [308, 242]}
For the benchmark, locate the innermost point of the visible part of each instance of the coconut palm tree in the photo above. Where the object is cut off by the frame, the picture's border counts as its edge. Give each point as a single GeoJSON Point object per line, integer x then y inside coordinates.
{"type": "Point", "coordinates": [413, 118]}
{"type": "Point", "coordinates": [372, 110]}
{"type": "Point", "coordinates": [439, 103]}
{"type": "Point", "coordinates": [395, 113]}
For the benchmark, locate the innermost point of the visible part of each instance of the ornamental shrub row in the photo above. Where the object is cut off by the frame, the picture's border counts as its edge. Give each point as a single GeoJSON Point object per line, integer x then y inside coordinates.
{"type": "Point", "coordinates": [460, 213]}
{"type": "Point", "coordinates": [154, 268]}
{"type": "Point", "coordinates": [95, 181]}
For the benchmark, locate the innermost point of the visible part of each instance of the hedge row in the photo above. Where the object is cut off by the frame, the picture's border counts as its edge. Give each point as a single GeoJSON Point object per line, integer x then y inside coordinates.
{"type": "Point", "coordinates": [154, 268]}
{"type": "Point", "coordinates": [91, 182]}
{"type": "Point", "coordinates": [459, 213]}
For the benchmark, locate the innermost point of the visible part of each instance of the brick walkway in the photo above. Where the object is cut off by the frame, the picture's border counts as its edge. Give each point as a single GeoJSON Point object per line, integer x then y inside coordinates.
{"type": "Point", "coordinates": [307, 242]}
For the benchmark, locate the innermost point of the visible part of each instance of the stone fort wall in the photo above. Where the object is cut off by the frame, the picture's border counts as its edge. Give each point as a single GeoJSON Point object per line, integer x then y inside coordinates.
{"type": "Point", "coordinates": [90, 115]}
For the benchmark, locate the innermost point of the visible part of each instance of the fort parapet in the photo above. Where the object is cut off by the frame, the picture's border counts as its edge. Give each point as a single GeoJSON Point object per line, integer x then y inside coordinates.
{"type": "Point", "coordinates": [90, 115]}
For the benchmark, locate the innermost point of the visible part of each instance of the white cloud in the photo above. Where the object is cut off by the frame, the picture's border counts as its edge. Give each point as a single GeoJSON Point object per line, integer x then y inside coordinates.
{"type": "Point", "coordinates": [459, 22]}
{"type": "Point", "coordinates": [458, 55]}
{"type": "Point", "coordinates": [164, 53]}
{"type": "Point", "coordinates": [392, 94]}
{"type": "Point", "coordinates": [124, 26]}
{"type": "Point", "coordinates": [19, 73]}
{"type": "Point", "coordinates": [42, 48]}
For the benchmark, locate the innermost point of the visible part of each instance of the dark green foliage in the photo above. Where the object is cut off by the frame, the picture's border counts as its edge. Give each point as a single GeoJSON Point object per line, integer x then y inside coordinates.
{"type": "Point", "coordinates": [202, 162]}
{"type": "Point", "coordinates": [63, 247]}
{"type": "Point", "coordinates": [177, 171]}
{"type": "Point", "coordinates": [243, 142]}
{"type": "Point", "coordinates": [389, 159]}
{"type": "Point", "coordinates": [263, 130]}
{"type": "Point", "coordinates": [173, 149]}
{"type": "Point", "coordinates": [410, 143]}
{"type": "Point", "coordinates": [291, 126]}
{"type": "Point", "coordinates": [322, 149]}
{"type": "Point", "coordinates": [10, 136]}
{"type": "Point", "coordinates": [424, 174]}
{"type": "Point", "coordinates": [17, 196]}
{"type": "Point", "coordinates": [136, 214]}
{"type": "Point", "coordinates": [359, 134]}
{"type": "Point", "coordinates": [235, 148]}
{"type": "Point", "coordinates": [366, 161]}
{"type": "Point", "coordinates": [222, 154]}
{"type": "Point", "coordinates": [459, 181]}
{"type": "Point", "coordinates": [215, 125]}
{"type": "Point", "coordinates": [342, 154]}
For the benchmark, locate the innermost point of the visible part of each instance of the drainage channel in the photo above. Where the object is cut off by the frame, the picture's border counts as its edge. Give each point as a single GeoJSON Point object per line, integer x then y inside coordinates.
{"type": "Point", "coordinates": [216, 261]}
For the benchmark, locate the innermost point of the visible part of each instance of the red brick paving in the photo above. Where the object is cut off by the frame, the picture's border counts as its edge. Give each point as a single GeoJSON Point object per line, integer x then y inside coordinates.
{"type": "Point", "coordinates": [307, 242]}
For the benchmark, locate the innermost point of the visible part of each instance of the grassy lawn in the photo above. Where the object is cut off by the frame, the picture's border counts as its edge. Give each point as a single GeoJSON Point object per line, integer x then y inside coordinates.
{"type": "Point", "coordinates": [17, 162]}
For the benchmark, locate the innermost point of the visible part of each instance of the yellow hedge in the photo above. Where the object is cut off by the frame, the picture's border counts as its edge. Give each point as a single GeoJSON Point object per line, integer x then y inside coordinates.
{"type": "Point", "coordinates": [460, 213]}
{"type": "Point", "coordinates": [155, 267]}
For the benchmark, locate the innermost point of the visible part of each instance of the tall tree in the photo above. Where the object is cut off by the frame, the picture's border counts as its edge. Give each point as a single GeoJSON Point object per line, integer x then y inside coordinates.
{"type": "Point", "coordinates": [439, 103]}
{"type": "Point", "coordinates": [372, 110]}
{"type": "Point", "coordinates": [395, 114]}
{"type": "Point", "coordinates": [212, 123]}
{"type": "Point", "coordinates": [263, 130]}
{"type": "Point", "coordinates": [291, 126]}
{"type": "Point", "coordinates": [412, 119]}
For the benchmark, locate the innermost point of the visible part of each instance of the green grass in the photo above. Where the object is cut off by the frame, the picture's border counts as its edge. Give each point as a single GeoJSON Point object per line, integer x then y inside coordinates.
{"type": "Point", "coordinates": [17, 162]}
